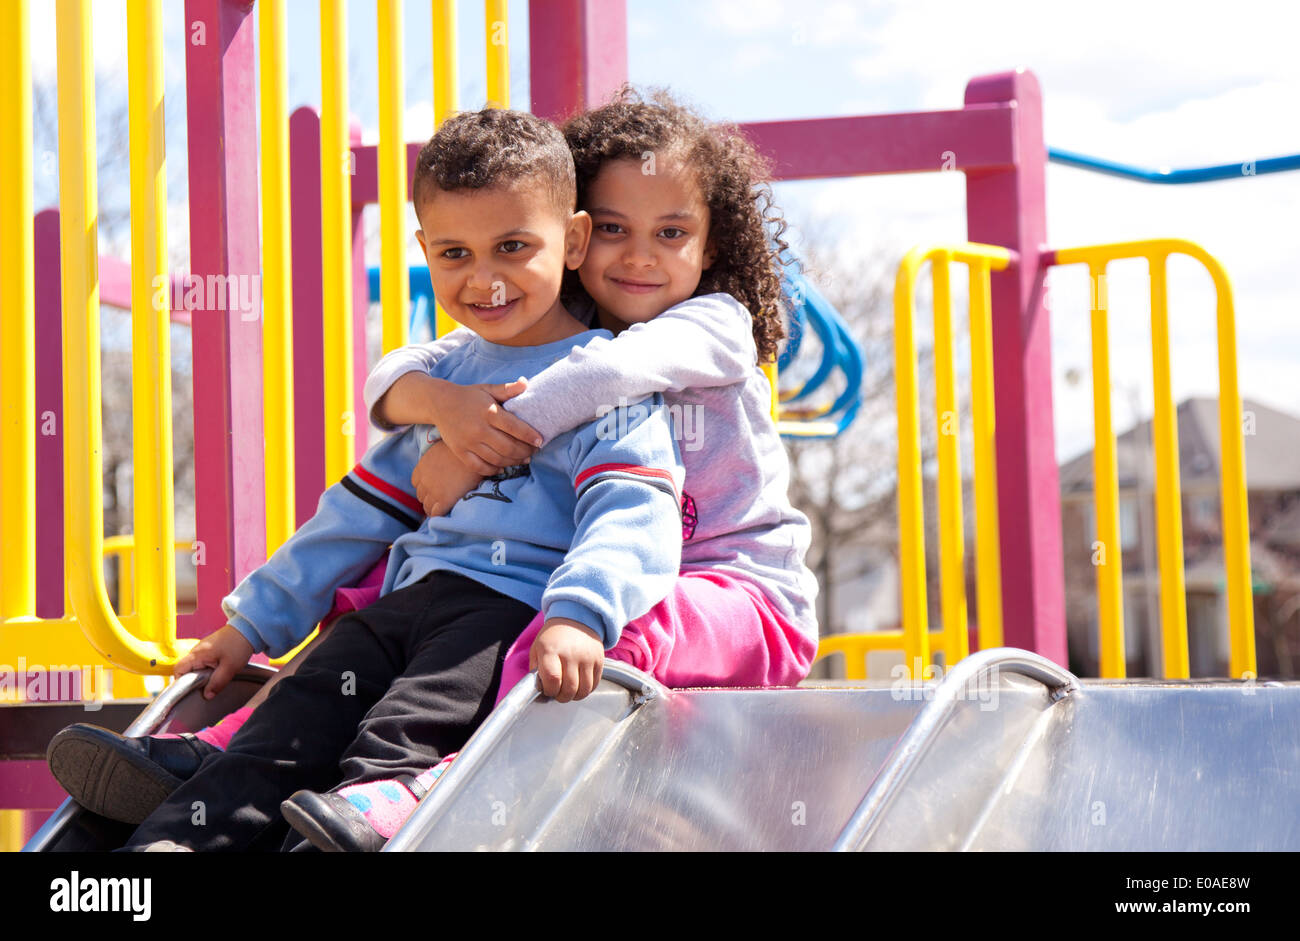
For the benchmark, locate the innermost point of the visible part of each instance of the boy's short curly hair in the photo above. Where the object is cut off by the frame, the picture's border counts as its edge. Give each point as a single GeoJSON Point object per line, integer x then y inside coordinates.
{"type": "Point", "coordinates": [745, 227]}
{"type": "Point", "coordinates": [482, 149]}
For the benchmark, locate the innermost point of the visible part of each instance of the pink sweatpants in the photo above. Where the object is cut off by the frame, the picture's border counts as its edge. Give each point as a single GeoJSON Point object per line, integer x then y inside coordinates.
{"type": "Point", "coordinates": [712, 630]}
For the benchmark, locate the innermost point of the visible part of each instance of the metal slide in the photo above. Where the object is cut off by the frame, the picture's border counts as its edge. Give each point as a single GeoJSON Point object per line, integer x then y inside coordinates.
{"type": "Point", "coordinates": [1008, 752]}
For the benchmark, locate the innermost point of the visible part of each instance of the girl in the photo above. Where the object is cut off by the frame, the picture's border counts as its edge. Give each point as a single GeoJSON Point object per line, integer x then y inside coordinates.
{"type": "Point", "coordinates": [682, 270]}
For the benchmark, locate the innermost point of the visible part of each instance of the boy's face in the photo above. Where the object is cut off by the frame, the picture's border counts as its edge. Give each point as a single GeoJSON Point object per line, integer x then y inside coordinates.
{"type": "Point", "coordinates": [649, 242]}
{"type": "Point", "coordinates": [496, 258]}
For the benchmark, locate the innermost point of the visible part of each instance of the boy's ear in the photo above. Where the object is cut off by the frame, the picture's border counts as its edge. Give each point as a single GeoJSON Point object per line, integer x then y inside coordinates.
{"type": "Point", "coordinates": [576, 238]}
{"type": "Point", "coordinates": [710, 255]}
{"type": "Point", "coordinates": [419, 237]}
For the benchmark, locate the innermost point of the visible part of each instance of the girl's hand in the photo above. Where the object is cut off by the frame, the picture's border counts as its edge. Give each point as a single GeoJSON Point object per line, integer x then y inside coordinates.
{"type": "Point", "coordinates": [568, 658]}
{"type": "Point", "coordinates": [225, 650]}
{"type": "Point", "coordinates": [480, 433]}
{"type": "Point", "coordinates": [440, 480]}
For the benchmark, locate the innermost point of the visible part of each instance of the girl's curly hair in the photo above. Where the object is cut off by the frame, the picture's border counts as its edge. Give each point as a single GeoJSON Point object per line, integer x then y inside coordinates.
{"type": "Point", "coordinates": [745, 227]}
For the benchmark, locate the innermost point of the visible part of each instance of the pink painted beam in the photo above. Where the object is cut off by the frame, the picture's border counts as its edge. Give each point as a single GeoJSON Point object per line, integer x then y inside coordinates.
{"type": "Point", "coordinates": [577, 54]}
{"type": "Point", "coordinates": [49, 404]}
{"type": "Point", "coordinates": [26, 784]}
{"type": "Point", "coordinates": [308, 313]}
{"type": "Point", "coordinates": [221, 111]}
{"type": "Point", "coordinates": [975, 138]}
{"type": "Point", "coordinates": [365, 182]}
{"type": "Point", "coordinates": [1006, 206]}
{"type": "Point", "coordinates": [115, 288]}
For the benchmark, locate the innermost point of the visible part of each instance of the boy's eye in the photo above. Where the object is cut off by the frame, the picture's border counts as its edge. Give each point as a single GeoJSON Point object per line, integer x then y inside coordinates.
{"type": "Point", "coordinates": [454, 254]}
{"type": "Point", "coordinates": [512, 245]}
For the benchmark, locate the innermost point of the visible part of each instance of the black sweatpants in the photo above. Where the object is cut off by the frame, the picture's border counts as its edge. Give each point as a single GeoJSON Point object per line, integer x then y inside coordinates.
{"type": "Point", "coordinates": [393, 689]}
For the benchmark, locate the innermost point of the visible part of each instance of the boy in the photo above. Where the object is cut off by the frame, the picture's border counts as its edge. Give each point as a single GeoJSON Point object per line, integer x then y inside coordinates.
{"type": "Point", "coordinates": [588, 531]}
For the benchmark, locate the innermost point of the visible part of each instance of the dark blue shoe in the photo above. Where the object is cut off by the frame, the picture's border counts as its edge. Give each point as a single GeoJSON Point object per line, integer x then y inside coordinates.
{"type": "Point", "coordinates": [331, 823]}
{"type": "Point", "coordinates": [122, 778]}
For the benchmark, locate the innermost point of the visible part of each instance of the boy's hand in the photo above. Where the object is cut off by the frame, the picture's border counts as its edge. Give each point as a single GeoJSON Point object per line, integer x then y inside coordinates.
{"type": "Point", "coordinates": [481, 434]}
{"type": "Point", "coordinates": [440, 479]}
{"type": "Point", "coordinates": [225, 650]}
{"type": "Point", "coordinates": [568, 657]}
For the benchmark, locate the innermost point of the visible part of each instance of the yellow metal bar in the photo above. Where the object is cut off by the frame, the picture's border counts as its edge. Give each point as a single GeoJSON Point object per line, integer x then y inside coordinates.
{"type": "Point", "coordinates": [446, 99]}
{"type": "Point", "coordinates": [446, 90]}
{"type": "Point", "coordinates": [911, 520]}
{"type": "Point", "coordinates": [17, 324]}
{"type": "Point", "coordinates": [1232, 450]}
{"type": "Point", "coordinates": [1169, 515]}
{"type": "Point", "coordinates": [336, 239]}
{"type": "Point", "coordinates": [123, 548]}
{"type": "Point", "coordinates": [855, 648]}
{"type": "Point", "coordinates": [394, 293]}
{"type": "Point", "coordinates": [52, 644]}
{"type": "Point", "coordinates": [1107, 558]}
{"type": "Point", "coordinates": [988, 548]}
{"type": "Point", "coordinates": [155, 558]}
{"type": "Point", "coordinates": [11, 827]}
{"type": "Point", "coordinates": [495, 19]}
{"type": "Point", "coordinates": [114, 638]}
{"type": "Point", "coordinates": [769, 370]}
{"type": "Point", "coordinates": [952, 539]}
{"type": "Point", "coordinates": [277, 275]}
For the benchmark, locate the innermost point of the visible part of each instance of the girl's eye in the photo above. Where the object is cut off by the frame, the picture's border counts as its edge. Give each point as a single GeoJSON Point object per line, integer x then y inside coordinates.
{"type": "Point", "coordinates": [512, 246]}
{"type": "Point", "coordinates": [609, 228]}
{"type": "Point", "coordinates": [672, 232]}
{"type": "Point", "coordinates": [454, 254]}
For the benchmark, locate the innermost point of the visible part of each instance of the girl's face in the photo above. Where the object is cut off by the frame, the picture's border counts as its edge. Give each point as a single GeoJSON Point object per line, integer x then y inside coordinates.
{"type": "Point", "coordinates": [649, 241]}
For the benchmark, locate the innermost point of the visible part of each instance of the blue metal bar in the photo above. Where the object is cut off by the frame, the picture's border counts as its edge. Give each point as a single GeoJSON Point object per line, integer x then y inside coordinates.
{"type": "Point", "coordinates": [1225, 171]}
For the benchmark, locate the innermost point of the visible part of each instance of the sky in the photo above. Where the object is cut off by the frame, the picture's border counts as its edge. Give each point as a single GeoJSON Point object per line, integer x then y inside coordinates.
{"type": "Point", "coordinates": [1154, 84]}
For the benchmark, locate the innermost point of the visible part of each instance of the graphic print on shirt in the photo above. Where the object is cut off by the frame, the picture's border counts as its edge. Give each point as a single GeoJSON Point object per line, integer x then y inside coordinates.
{"type": "Point", "coordinates": [689, 516]}
{"type": "Point", "coordinates": [493, 492]}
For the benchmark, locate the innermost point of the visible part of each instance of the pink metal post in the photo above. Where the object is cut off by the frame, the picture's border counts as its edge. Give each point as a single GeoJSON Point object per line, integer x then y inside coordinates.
{"type": "Point", "coordinates": [308, 313]}
{"type": "Point", "coordinates": [49, 399]}
{"type": "Point", "coordinates": [577, 54]}
{"type": "Point", "coordinates": [220, 68]}
{"type": "Point", "coordinates": [1006, 206]}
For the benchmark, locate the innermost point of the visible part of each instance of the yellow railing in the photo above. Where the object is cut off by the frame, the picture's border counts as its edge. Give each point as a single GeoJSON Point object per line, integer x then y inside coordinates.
{"type": "Point", "coordinates": [143, 641]}
{"type": "Point", "coordinates": [122, 548]}
{"type": "Point", "coordinates": [915, 638]}
{"type": "Point", "coordinates": [17, 327]}
{"type": "Point", "coordinates": [141, 635]}
{"type": "Point", "coordinates": [336, 240]}
{"type": "Point", "coordinates": [446, 98]}
{"type": "Point", "coordinates": [277, 276]}
{"type": "Point", "coordinates": [394, 288]}
{"type": "Point", "coordinates": [1236, 530]}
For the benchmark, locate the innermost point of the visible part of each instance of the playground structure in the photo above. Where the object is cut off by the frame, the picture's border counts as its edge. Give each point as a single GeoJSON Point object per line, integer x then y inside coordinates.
{"type": "Point", "coordinates": [270, 432]}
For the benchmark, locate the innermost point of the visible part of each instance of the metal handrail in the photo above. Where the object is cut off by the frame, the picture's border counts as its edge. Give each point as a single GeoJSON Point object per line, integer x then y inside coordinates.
{"type": "Point", "coordinates": [1223, 171]}
{"type": "Point", "coordinates": [911, 747]}
{"type": "Point", "coordinates": [642, 686]}
{"type": "Point", "coordinates": [146, 723]}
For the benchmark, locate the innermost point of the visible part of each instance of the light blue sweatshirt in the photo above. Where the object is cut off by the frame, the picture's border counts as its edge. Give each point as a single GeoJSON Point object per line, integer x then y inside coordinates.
{"type": "Point", "coordinates": [700, 355]}
{"type": "Point", "coordinates": [589, 530]}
